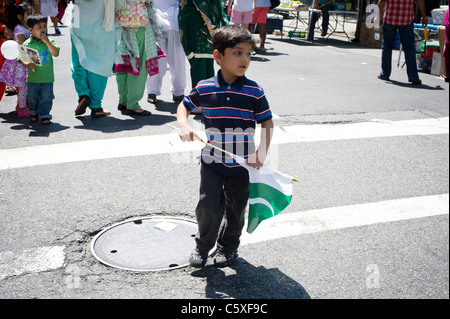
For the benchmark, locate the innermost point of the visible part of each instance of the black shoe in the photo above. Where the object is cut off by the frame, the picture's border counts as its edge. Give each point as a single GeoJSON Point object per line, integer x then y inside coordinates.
{"type": "Point", "coordinates": [383, 77]}
{"type": "Point", "coordinates": [133, 112]}
{"type": "Point", "coordinates": [198, 259]}
{"type": "Point", "coordinates": [83, 102]}
{"type": "Point", "coordinates": [177, 98]}
{"type": "Point", "coordinates": [99, 112]}
{"type": "Point", "coordinates": [122, 107]}
{"type": "Point", "coordinates": [416, 81]}
{"type": "Point", "coordinates": [224, 259]}
{"type": "Point", "coordinates": [151, 98]}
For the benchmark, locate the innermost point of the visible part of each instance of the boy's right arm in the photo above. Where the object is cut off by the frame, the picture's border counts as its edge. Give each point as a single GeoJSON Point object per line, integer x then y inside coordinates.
{"type": "Point", "coordinates": [185, 131]}
{"type": "Point", "coordinates": [29, 65]}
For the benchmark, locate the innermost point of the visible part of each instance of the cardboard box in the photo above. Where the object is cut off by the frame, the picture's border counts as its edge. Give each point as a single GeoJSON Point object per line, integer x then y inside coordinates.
{"type": "Point", "coordinates": [436, 64]}
{"type": "Point", "coordinates": [366, 37]}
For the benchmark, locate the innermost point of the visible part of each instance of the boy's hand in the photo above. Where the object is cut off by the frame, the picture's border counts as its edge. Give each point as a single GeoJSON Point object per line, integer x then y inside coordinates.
{"type": "Point", "coordinates": [186, 133]}
{"type": "Point", "coordinates": [30, 65]}
{"type": "Point", "coordinates": [256, 160]}
{"type": "Point", "coordinates": [44, 37]}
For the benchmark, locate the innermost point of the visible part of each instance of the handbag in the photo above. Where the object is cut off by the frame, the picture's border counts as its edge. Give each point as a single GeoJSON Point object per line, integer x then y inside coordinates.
{"type": "Point", "coordinates": [133, 14]}
{"type": "Point", "coordinates": [274, 3]}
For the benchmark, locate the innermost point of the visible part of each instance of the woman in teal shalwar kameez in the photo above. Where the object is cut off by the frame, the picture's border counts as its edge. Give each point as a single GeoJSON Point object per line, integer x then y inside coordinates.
{"type": "Point", "coordinates": [94, 37]}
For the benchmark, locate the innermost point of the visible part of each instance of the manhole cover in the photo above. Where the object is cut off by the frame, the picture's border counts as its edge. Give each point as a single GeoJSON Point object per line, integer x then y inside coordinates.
{"type": "Point", "coordinates": [146, 244]}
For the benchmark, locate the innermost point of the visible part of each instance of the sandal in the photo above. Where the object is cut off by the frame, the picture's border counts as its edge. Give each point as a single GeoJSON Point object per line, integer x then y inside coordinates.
{"type": "Point", "coordinates": [99, 112]}
{"type": "Point", "coordinates": [23, 112]}
{"type": "Point", "coordinates": [46, 122]}
{"type": "Point", "coordinates": [34, 118]}
{"type": "Point", "coordinates": [83, 102]}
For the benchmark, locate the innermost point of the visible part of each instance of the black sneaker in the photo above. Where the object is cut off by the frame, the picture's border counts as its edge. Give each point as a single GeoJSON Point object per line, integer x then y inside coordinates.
{"type": "Point", "coordinates": [151, 98]}
{"type": "Point", "coordinates": [416, 81]}
{"type": "Point", "coordinates": [224, 259]}
{"type": "Point", "coordinates": [198, 259]}
{"type": "Point", "coordinates": [177, 98]}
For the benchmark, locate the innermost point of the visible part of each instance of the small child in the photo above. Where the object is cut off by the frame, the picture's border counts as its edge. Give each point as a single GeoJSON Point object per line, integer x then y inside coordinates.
{"type": "Point", "coordinates": [13, 73]}
{"type": "Point", "coordinates": [232, 105]}
{"type": "Point", "coordinates": [49, 8]}
{"type": "Point", "coordinates": [40, 78]}
{"type": "Point", "coordinates": [240, 12]}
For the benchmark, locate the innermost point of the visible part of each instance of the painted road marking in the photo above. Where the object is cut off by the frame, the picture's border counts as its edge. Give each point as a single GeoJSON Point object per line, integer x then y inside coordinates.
{"type": "Point", "coordinates": [31, 261]}
{"type": "Point", "coordinates": [281, 226]}
{"type": "Point", "coordinates": [170, 143]}
{"type": "Point", "coordinates": [319, 220]}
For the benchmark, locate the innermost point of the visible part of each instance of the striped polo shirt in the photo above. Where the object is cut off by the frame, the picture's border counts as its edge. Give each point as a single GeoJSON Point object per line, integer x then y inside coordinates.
{"type": "Point", "coordinates": [231, 113]}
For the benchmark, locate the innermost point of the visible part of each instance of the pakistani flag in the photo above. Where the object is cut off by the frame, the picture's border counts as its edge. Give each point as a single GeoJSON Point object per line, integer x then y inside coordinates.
{"type": "Point", "coordinates": [270, 193]}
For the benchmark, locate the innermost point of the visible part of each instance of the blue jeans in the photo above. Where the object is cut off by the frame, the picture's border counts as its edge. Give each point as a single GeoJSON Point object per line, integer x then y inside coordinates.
{"type": "Point", "coordinates": [40, 96]}
{"type": "Point", "coordinates": [407, 40]}
{"type": "Point", "coordinates": [325, 20]}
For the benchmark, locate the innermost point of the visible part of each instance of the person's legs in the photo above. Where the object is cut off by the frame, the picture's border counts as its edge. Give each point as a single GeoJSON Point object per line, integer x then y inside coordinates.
{"type": "Point", "coordinates": [261, 19]}
{"type": "Point", "coordinates": [122, 87]}
{"type": "Point", "coordinates": [201, 69]}
{"type": "Point", "coordinates": [45, 100]}
{"type": "Point", "coordinates": [210, 208]}
{"type": "Point", "coordinates": [407, 41]}
{"type": "Point", "coordinates": [154, 82]}
{"type": "Point", "coordinates": [79, 74]}
{"type": "Point", "coordinates": [136, 83]}
{"type": "Point", "coordinates": [33, 100]}
{"type": "Point", "coordinates": [312, 25]}
{"type": "Point", "coordinates": [262, 36]}
{"type": "Point", "coordinates": [177, 63]}
{"type": "Point", "coordinates": [236, 192]}
{"type": "Point", "coordinates": [387, 45]}
{"type": "Point", "coordinates": [325, 19]}
{"type": "Point", "coordinates": [97, 84]}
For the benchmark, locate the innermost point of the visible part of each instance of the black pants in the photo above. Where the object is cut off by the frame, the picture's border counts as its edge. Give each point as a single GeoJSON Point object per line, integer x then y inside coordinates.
{"type": "Point", "coordinates": [221, 210]}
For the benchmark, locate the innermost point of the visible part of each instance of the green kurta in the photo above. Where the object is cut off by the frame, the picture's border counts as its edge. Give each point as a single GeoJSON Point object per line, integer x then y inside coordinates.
{"type": "Point", "coordinates": [195, 37]}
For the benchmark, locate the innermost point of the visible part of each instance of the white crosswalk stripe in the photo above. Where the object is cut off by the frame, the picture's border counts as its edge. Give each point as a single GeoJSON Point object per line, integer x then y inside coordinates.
{"type": "Point", "coordinates": [285, 225]}
{"type": "Point", "coordinates": [170, 143]}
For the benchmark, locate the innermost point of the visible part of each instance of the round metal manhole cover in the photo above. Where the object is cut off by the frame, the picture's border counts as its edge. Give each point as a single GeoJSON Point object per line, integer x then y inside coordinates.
{"type": "Point", "coordinates": [146, 244]}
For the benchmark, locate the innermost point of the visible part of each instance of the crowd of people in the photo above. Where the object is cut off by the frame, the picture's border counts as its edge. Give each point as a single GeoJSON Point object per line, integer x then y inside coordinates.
{"type": "Point", "coordinates": [137, 40]}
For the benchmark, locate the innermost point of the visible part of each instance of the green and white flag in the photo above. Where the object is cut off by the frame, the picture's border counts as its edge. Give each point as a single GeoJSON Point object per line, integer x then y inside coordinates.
{"type": "Point", "coordinates": [270, 193]}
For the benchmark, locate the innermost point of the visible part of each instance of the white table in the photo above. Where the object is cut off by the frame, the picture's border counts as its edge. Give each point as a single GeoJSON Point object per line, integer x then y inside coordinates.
{"type": "Point", "coordinates": [339, 26]}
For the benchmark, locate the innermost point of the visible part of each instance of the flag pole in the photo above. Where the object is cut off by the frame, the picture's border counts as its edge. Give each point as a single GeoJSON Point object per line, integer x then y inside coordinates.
{"type": "Point", "coordinates": [218, 148]}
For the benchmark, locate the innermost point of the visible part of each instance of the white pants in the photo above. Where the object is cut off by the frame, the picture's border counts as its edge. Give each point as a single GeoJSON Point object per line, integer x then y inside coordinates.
{"type": "Point", "coordinates": [176, 59]}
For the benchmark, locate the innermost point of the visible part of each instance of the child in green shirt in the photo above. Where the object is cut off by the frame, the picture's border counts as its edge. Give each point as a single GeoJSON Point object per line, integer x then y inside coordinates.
{"type": "Point", "coordinates": [40, 76]}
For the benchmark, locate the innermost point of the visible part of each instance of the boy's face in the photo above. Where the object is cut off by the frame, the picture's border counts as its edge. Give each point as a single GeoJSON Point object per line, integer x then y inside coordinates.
{"type": "Point", "coordinates": [38, 29]}
{"type": "Point", "coordinates": [234, 62]}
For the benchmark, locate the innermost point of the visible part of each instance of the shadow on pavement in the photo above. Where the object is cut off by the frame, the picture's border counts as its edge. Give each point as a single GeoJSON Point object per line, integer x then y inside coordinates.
{"type": "Point", "coordinates": [249, 282]}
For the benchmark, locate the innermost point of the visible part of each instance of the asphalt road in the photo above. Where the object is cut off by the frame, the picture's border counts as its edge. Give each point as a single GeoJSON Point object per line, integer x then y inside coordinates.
{"type": "Point", "coordinates": [329, 83]}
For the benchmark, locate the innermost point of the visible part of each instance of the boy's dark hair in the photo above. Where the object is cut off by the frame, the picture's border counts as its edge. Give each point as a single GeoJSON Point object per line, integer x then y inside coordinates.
{"type": "Point", "coordinates": [35, 19]}
{"type": "Point", "coordinates": [229, 36]}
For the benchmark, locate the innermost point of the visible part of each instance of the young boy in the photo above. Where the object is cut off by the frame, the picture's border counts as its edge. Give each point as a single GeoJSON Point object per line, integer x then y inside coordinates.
{"type": "Point", "coordinates": [232, 105]}
{"type": "Point", "coordinates": [40, 78]}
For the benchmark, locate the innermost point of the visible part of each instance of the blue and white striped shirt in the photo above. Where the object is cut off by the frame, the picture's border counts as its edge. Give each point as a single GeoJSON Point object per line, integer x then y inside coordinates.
{"type": "Point", "coordinates": [231, 113]}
